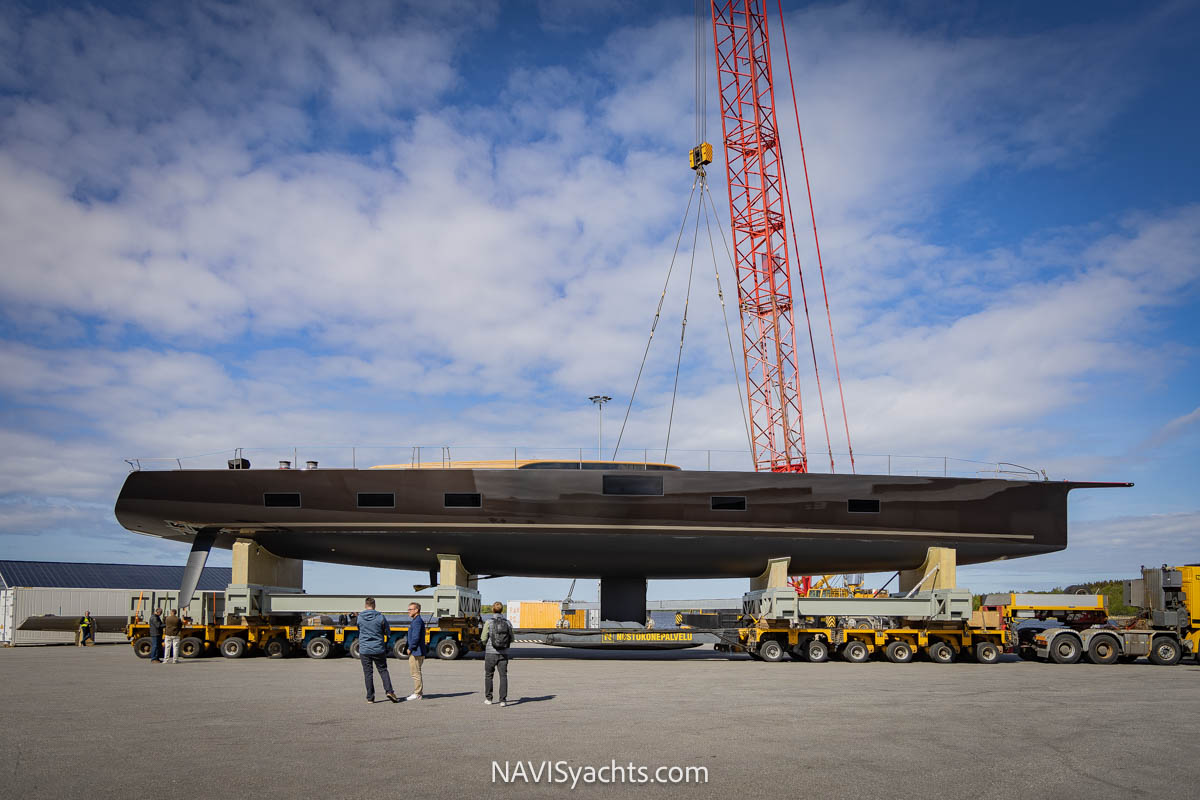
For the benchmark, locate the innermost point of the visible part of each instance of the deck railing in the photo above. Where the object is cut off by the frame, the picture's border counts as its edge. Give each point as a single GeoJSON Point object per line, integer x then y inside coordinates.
{"type": "Point", "coordinates": [450, 456]}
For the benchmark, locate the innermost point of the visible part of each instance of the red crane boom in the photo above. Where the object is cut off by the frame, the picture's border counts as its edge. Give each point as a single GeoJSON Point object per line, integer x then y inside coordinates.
{"type": "Point", "coordinates": [756, 203]}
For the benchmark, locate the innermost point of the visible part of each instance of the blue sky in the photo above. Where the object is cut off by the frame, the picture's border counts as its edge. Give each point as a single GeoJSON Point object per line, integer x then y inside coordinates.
{"type": "Point", "coordinates": [288, 225]}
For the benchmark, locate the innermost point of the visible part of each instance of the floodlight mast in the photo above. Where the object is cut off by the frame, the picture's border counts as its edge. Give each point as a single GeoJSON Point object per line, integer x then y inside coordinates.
{"type": "Point", "coordinates": [600, 400]}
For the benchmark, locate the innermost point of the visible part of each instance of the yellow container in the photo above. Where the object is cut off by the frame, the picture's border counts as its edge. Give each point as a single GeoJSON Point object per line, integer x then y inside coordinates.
{"type": "Point", "coordinates": [547, 615]}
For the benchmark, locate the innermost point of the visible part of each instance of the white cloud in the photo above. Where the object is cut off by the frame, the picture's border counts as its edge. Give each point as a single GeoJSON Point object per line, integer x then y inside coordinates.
{"type": "Point", "coordinates": [193, 260]}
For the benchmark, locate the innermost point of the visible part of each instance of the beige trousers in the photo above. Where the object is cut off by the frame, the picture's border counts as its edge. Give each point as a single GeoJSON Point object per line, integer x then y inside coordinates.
{"type": "Point", "coordinates": [414, 667]}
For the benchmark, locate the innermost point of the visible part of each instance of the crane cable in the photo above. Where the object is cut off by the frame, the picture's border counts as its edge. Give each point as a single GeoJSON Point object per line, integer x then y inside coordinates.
{"type": "Point", "coordinates": [701, 70]}
{"type": "Point", "coordinates": [657, 314]}
{"type": "Point", "coordinates": [701, 180]}
{"type": "Point", "coordinates": [820, 265]}
{"type": "Point", "coordinates": [687, 299]}
{"type": "Point", "coordinates": [737, 375]}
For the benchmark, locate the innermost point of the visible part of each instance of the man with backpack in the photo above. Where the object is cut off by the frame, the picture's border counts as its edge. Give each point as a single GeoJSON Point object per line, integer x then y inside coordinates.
{"type": "Point", "coordinates": [497, 638]}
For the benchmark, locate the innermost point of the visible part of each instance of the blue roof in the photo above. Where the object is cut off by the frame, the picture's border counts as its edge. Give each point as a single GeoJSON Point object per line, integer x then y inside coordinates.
{"type": "Point", "coordinates": [63, 575]}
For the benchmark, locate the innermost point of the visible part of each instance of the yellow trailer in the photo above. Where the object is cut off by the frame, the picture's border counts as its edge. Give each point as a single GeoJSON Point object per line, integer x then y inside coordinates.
{"type": "Point", "coordinates": [771, 640]}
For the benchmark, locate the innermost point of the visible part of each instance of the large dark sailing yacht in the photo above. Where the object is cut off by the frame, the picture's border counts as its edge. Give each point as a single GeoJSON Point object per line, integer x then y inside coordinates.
{"type": "Point", "coordinates": [602, 519]}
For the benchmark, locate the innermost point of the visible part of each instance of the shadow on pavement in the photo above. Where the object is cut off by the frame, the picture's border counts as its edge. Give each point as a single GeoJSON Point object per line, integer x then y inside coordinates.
{"type": "Point", "coordinates": [522, 700]}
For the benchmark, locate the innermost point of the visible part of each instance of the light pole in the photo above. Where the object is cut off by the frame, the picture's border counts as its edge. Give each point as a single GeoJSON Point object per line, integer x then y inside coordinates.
{"type": "Point", "coordinates": [600, 400]}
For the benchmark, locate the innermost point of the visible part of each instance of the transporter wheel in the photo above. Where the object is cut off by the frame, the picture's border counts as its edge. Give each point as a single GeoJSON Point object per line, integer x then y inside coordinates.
{"type": "Point", "coordinates": [191, 647]}
{"type": "Point", "coordinates": [278, 648]}
{"type": "Point", "coordinates": [233, 647]}
{"type": "Point", "coordinates": [816, 651]}
{"type": "Point", "coordinates": [1127, 659]}
{"type": "Point", "coordinates": [400, 648]}
{"type": "Point", "coordinates": [1165, 651]}
{"type": "Point", "coordinates": [940, 653]}
{"type": "Point", "coordinates": [448, 649]}
{"type": "Point", "coordinates": [855, 652]}
{"type": "Point", "coordinates": [354, 651]}
{"type": "Point", "coordinates": [987, 652]}
{"type": "Point", "coordinates": [1103, 650]}
{"type": "Point", "coordinates": [320, 647]}
{"type": "Point", "coordinates": [898, 652]}
{"type": "Point", "coordinates": [1065, 649]}
{"type": "Point", "coordinates": [770, 650]}
{"type": "Point", "coordinates": [142, 647]}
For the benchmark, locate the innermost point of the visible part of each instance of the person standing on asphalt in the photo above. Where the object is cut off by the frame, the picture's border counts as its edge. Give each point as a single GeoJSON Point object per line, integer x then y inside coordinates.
{"type": "Point", "coordinates": [416, 649]}
{"type": "Point", "coordinates": [156, 634]}
{"type": "Point", "coordinates": [497, 638]}
{"type": "Point", "coordinates": [172, 626]}
{"type": "Point", "coordinates": [87, 629]}
{"type": "Point", "coordinates": [373, 633]}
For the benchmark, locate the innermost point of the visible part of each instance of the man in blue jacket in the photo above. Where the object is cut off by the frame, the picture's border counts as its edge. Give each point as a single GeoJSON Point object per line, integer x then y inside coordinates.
{"type": "Point", "coordinates": [416, 649]}
{"type": "Point", "coordinates": [373, 632]}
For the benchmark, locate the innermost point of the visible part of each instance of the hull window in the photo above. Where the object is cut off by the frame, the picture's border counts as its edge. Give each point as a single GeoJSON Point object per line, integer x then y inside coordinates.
{"type": "Point", "coordinates": [464, 500]}
{"type": "Point", "coordinates": [728, 503]}
{"type": "Point", "coordinates": [862, 506]}
{"type": "Point", "coordinates": [642, 485]}
{"type": "Point", "coordinates": [376, 500]}
{"type": "Point", "coordinates": [281, 499]}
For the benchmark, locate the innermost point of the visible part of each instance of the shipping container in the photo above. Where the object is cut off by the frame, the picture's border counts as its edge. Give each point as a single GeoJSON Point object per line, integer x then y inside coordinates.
{"type": "Point", "coordinates": [22, 603]}
{"type": "Point", "coordinates": [546, 614]}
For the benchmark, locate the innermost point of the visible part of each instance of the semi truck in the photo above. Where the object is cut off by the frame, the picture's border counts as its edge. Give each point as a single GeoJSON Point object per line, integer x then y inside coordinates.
{"type": "Point", "coordinates": [1166, 631]}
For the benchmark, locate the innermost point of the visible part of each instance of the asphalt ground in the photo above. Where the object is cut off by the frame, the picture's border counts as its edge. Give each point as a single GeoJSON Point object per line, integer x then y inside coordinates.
{"type": "Point", "coordinates": [98, 723]}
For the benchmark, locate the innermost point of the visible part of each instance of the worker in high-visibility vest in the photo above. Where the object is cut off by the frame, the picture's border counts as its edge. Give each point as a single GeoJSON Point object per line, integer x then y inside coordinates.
{"type": "Point", "coordinates": [87, 629]}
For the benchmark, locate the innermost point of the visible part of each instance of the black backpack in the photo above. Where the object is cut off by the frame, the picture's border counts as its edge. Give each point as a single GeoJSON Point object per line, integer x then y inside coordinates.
{"type": "Point", "coordinates": [501, 633]}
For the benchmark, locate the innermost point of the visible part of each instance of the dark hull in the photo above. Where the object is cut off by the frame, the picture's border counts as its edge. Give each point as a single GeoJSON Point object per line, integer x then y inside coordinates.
{"type": "Point", "coordinates": [558, 523]}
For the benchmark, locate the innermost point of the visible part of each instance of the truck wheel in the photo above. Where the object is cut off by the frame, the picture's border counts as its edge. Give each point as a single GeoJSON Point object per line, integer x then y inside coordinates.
{"type": "Point", "coordinates": [448, 649]}
{"type": "Point", "coordinates": [278, 648]}
{"type": "Point", "coordinates": [191, 647]}
{"type": "Point", "coordinates": [770, 650]}
{"type": "Point", "coordinates": [319, 647]}
{"type": "Point", "coordinates": [816, 651]}
{"type": "Point", "coordinates": [1065, 649]}
{"type": "Point", "coordinates": [987, 652]}
{"type": "Point", "coordinates": [1165, 651]}
{"type": "Point", "coordinates": [898, 652]}
{"type": "Point", "coordinates": [855, 652]}
{"type": "Point", "coordinates": [1128, 659]}
{"type": "Point", "coordinates": [1103, 650]}
{"type": "Point", "coordinates": [940, 653]}
{"type": "Point", "coordinates": [142, 647]}
{"type": "Point", "coordinates": [400, 648]}
{"type": "Point", "coordinates": [233, 647]}
{"type": "Point", "coordinates": [354, 650]}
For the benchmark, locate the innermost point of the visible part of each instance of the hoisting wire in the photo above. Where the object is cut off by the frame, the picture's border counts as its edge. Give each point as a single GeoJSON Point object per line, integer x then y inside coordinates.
{"type": "Point", "coordinates": [701, 8]}
{"type": "Point", "coordinates": [657, 315]}
{"type": "Point", "coordinates": [816, 242]}
{"type": "Point", "coordinates": [737, 375]}
{"type": "Point", "coordinates": [687, 298]}
{"type": "Point", "coordinates": [807, 319]}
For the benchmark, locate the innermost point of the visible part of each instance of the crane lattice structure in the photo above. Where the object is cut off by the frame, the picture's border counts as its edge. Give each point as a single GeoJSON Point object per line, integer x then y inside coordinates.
{"type": "Point", "coordinates": [760, 242]}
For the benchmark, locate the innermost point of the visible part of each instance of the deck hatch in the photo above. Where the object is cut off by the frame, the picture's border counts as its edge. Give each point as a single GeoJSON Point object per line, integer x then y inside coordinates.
{"type": "Point", "coordinates": [634, 485]}
{"type": "Point", "coordinates": [463, 500]}
{"type": "Point", "coordinates": [281, 499]}
{"type": "Point", "coordinates": [722, 503]}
